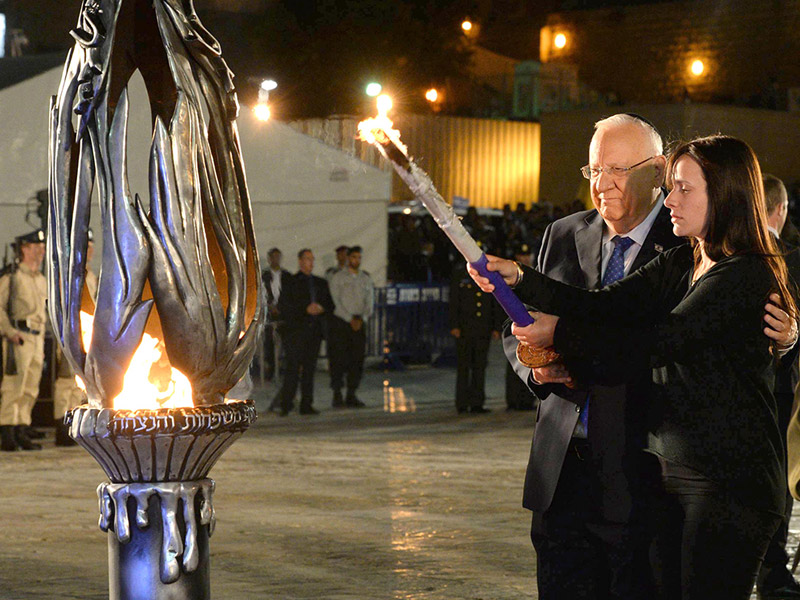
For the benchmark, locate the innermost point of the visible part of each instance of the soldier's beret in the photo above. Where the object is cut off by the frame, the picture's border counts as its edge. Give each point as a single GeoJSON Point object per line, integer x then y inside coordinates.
{"type": "Point", "coordinates": [34, 237]}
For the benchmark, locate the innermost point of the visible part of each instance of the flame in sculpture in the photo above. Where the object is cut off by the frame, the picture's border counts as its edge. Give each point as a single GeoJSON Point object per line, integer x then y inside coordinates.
{"type": "Point", "coordinates": [183, 268]}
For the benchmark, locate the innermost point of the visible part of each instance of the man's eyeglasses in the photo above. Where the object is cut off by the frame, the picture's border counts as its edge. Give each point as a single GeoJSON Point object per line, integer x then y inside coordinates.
{"type": "Point", "coordinates": [594, 172]}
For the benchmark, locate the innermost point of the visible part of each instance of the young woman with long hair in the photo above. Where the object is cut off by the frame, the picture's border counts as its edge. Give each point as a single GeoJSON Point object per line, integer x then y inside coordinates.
{"type": "Point", "coordinates": [695, 316]}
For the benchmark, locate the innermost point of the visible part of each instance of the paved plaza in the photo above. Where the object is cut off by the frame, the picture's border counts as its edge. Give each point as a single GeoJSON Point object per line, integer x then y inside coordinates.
{"type": "Point", "coordinates": [403, 499]}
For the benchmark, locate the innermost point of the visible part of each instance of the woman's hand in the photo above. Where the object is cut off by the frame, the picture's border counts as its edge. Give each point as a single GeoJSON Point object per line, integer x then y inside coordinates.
{"type": "Point", "coordinates": [780, 326]}
{"type": "Point", "coordinates": [538, 334]}
{"type": "Point", "coordinates": [506, 268]}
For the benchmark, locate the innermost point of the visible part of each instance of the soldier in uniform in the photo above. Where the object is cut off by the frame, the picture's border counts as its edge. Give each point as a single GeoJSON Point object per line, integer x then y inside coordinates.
{"type": "Point", "coordinates": [351, 291]}
{"type": "Point", "coordinates": [518, 396]}
{"type": "Point", "coordinates": [475, 319]}
{"type": "Point", "coordinates": [23, 294]}
{"type": "Point", "coordinates": [66, 393]}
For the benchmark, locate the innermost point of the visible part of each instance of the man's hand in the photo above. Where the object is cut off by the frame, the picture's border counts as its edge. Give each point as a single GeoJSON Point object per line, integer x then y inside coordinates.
{"type": "Point", "coordinates": [506, 268]}
{"type": "Point", "coordinates": [780, 326]}
{"type": "Point", "coordinates": [455, 332]}
{"type": "Point", "coordinates": [15, 339]}
{"type": "Point", "coordinates": [553, 373]}
{"type": "Point", "coordinates": [538, 334]}
{"type": "Point", "coordinates": [315, 308]}
{"type": "Point", "coordinates": [356, 323]}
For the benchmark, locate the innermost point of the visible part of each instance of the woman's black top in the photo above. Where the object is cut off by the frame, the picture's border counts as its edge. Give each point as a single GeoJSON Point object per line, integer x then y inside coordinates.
{"type": "Point", "coordinates": [712, 407]}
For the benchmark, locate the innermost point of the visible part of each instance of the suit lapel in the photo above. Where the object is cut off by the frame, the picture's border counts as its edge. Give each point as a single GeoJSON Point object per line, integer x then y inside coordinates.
{"type": "Point", "coordinates": [588, 241]}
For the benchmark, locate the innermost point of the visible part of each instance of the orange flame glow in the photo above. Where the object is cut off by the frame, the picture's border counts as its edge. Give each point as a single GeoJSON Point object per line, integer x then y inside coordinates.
{"type": "Point", "coordinates": [150, 381]}
{"type": "Point", "coordinates": [380, 129]}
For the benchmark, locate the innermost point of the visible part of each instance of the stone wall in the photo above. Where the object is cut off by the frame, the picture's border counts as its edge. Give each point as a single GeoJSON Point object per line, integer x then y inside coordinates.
{"type": "Point", "coordinates": [643, 53]}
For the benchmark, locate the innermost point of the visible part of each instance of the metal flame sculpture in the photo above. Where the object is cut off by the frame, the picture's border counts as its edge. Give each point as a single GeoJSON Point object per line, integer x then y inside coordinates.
{"type": "Point", "coordinates": [191, 254]}
{"type": "Point", "coordinates": [179, 273]}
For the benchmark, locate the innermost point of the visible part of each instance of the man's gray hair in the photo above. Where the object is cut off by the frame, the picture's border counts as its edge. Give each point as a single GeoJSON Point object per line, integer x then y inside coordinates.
{"type": "Point", "coordinates": [775, 195]}
{"type": "Point", "coordinates": [621, 119]}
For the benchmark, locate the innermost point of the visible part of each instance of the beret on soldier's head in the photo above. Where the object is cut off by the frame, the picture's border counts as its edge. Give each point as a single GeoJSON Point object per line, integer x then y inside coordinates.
{"type": "Point", "coordinates": [34, 237]}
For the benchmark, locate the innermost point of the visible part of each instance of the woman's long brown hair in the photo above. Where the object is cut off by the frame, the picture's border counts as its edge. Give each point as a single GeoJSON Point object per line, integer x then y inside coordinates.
{"type": "Point", "coordinates": [737, 212]}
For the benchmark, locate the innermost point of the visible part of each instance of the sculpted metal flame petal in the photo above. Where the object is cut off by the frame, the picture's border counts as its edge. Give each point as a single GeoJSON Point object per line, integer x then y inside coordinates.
{"type": "Point", "coordinates": [190, 252]}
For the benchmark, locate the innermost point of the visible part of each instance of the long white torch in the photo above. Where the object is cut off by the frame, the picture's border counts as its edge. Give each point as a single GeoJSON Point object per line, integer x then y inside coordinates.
{"type": "Point", "coordinates": [379, 132]}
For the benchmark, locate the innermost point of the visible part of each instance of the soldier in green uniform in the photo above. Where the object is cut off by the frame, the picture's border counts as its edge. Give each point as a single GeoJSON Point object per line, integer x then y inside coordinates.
{"type": "Point", "coordinates": [23, 294]}
{"type": "Point", "coordinates": [475, 319]}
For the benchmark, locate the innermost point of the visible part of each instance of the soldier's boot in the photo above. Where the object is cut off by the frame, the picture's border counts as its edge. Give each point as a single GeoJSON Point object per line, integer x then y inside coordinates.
{"type": "Point", "coordinates": [9, 443]}
{"type": "Point", "coordinates": [62, 436]}
{"type": "Point", "coordinates": [23, 441]}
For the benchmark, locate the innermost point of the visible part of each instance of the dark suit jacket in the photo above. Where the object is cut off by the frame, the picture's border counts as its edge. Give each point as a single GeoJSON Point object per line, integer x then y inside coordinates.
{"type": "Point", "coordinates": [294, 300]}
{"type": "Point", "coordinates": [571, 253]}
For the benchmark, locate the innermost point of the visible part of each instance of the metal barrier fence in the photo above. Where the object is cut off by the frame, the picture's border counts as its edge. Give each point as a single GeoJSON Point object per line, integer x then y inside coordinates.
{"type": "Point", "coordinates": [410, 323]}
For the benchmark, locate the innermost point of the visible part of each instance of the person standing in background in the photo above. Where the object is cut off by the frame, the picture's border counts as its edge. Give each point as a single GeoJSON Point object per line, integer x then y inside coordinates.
{"type": "Point", "coordinates": [775, 581]}
{"type": "Point", "coordinates": [518, 396]}
{"type": "Point", "coordinates": [303, 307]}
{"type": "Point", "coordinates": [341, 262]}
{"type": "Point", "coordinates": [475, 320]}
{"type": "Point", "coordinates": [23, 318]}
{"type": "Point", "coordinates": [352, 292]}
{"type": "Point", "coordinates": [274, 278]}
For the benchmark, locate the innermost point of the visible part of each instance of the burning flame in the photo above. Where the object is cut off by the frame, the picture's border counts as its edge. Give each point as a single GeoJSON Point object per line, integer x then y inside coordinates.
{"type": "Point", "coordinates": [150, 381]}
{"type": "Point", "coordinates": [380, 129]}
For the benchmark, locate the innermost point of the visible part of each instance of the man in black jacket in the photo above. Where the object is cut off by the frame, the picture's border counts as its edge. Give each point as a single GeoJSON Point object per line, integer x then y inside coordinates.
{"type": "Point", "coordinates": [586, 470]}
{"type": "Point", "coordinates": [303, 306]}
{"type": "Point", "coordinates": [775, 582]}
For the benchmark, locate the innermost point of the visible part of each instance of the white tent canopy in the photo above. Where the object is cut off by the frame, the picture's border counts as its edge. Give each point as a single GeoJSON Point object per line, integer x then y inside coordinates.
{"type": "Point", "coordinates": [305, 194]}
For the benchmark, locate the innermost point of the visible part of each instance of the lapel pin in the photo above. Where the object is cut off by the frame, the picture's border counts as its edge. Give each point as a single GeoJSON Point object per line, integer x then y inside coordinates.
{"type": "Point", "coordinates": [658, 247]}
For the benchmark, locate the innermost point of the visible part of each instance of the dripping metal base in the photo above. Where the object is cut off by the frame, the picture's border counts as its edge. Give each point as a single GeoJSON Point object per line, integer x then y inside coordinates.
{"type": "Point", "coordinates": [162, 554]}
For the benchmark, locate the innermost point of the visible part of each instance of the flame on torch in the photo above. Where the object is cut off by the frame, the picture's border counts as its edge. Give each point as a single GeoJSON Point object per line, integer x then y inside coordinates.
{"type": "Point", "coordinates": [150, 381]}
{"type": "Point", "coordinates": [380, 129]}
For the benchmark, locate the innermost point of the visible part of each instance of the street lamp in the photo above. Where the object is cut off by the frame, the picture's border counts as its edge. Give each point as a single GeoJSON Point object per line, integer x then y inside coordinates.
{"type": "Point", "coordinates": [697, 67]}
{"type": "Point", "coordinates": [560, 41]}
{"type": "Point", "coordinates": [466, 25]}
{"type": "Point", "coordinates": [373, 89]}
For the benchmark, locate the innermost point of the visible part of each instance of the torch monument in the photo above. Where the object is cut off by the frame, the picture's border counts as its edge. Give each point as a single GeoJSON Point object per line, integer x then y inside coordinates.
{"type": "Point", "coordinates": [176, 318]}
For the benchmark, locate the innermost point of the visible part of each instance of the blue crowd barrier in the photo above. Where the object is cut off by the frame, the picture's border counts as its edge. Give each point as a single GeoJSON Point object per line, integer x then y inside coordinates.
{"type": "Point", "coordinates": [410, 324]}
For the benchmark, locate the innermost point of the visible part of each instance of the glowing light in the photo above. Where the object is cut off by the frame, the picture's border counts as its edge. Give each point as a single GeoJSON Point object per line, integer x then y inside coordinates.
{"type": "Point", "coordinates": [698, 67]}
{"type": "Point", "coordinates": [560, 40]}
{"type": "Point", "coordinates": [466, 25]}
{"type": "Point", "coordinates": [150, 381]}
{"type": "Point", "coordinates": [262, 112]}
{"type": "Point", "coordinates": [380, 129]}
{"type": "Point", "coordinates": [432, 95]}
{"type": "Point", "coordinates": [384, 104]}
{"type": "Point", "coordinates": [406, 211]}
{"type": "Point", "coordinates": [268, 85]}
{"type": "Point", "coordinates": [373, 89]}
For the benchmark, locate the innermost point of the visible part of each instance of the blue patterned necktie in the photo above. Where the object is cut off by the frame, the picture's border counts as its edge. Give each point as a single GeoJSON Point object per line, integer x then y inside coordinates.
{"type": "Point", "coordinates": [616, 264]}
{"type": "Point", "coordinates": [615, 270]}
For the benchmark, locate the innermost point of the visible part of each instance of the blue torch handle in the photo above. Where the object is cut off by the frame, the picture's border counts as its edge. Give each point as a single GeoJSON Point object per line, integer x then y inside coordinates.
{"type": "Point", "coordinates": [505, 296]}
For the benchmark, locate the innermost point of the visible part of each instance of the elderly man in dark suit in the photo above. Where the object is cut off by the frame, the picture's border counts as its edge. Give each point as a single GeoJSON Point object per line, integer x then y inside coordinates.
{"type": "Point", "coordinates": [586, 471]}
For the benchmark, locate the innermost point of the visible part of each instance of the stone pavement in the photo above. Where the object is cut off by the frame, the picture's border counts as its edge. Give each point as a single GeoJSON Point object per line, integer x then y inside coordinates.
{"type": "Point", "coordinates": [403, 499]}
